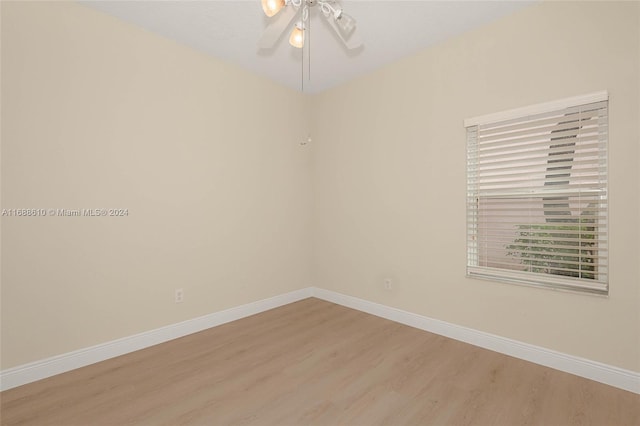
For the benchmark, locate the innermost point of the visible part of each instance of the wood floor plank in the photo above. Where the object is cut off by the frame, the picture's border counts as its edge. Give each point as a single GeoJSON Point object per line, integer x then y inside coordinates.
{"type": "Point", "coordinates": [316, 363]}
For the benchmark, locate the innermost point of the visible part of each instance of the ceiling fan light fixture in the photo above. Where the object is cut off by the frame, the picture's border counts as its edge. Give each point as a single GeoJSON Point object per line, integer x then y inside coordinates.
{"type": "Point", "coordinates": [271, 7]}
{"type": "Point", "coordinates": [297, 36]}
{"type": "Point", "coordinates": [346, 24]}
{"type": "Point", "coordinates": [290, 11]}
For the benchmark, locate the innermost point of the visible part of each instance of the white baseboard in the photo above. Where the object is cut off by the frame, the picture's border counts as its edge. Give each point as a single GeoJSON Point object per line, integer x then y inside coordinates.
{"type": "Point", "coordinates": [603, 373]}
{"type": "Point", "coordinates": [610, 375]}
{"type": "Point", "coordinates": [48, 367]}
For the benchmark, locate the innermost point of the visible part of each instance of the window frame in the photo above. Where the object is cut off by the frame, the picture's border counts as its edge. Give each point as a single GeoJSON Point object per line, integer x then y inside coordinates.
{"type": "Point", "coordinates": [535, 279]}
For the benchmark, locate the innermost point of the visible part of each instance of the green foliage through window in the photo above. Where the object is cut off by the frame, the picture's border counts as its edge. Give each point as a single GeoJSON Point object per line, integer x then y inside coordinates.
{"type": "Point", "coordinates": [567, 249]}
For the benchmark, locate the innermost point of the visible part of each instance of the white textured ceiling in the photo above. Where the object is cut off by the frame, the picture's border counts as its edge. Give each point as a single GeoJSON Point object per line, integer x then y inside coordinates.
{"type": "Point", "coordinates": [230, 30]}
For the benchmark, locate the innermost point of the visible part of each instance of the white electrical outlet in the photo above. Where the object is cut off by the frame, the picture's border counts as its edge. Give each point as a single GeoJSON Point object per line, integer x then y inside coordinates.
{"type": "Point", "coordinates": [388, 284]}
{"type": "Point", "coordinates": [179, 295]}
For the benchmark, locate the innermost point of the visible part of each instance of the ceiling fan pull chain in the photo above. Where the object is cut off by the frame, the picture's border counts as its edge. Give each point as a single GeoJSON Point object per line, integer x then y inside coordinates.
{"type": "Point", "coordinates": [309, 54]}
{"type": "Point", "coordinates": [305, 15]}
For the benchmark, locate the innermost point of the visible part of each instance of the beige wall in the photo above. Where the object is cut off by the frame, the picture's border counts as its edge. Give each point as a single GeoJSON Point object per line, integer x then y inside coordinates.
{"type": "Point", "coordinates": [98, 113]}
{"type": "Point", "coordinates": [389, 175]}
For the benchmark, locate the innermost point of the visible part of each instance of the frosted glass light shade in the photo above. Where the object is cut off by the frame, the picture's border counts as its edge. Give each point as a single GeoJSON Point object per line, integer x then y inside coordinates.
{"type": "Point", "coordinates": [297, 37]}
{"type": "Point", "coordinates": [346, 24]}
{"type": "Point", "coordinates": [271, 7]}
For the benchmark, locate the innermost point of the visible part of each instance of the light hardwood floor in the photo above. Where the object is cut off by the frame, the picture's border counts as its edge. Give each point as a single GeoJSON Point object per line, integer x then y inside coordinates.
{"type": "Point", "coordinates": [316, 363]}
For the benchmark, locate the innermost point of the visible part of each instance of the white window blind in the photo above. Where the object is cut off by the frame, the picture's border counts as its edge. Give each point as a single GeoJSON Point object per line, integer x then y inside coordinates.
{"type": "Point", "coordinates": [537, 195]}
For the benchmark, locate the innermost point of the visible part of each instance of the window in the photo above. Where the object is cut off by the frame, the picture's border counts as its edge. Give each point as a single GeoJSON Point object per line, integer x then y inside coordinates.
{"type": "Point", "coordinates": [537, 195]}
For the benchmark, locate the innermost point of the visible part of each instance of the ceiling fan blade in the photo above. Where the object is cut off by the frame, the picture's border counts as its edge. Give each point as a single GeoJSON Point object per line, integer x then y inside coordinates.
{"type": "Point", "coordinates": [352, 42]}
{"type": "Point", "coordinates": [277, 26]}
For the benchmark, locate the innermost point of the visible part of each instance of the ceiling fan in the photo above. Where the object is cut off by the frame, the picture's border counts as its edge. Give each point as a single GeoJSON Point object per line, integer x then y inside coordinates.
{"type": "Point", "coordinates": [284, 12]}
